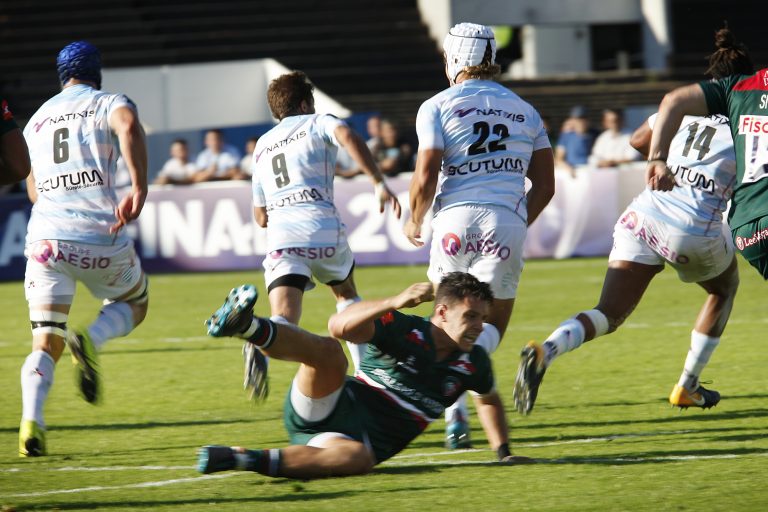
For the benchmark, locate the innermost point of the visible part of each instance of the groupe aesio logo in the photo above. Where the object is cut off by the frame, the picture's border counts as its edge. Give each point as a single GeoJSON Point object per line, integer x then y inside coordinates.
{"type": "Point", "coordinates": [451, 244]}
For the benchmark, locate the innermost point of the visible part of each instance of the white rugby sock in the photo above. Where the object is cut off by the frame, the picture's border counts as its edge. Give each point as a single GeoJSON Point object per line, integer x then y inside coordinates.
{"type": "Point", "coordinates": [702, 347]}
{"type": "Point", "coordinates": [36, 381]}
{"type": "Point", "coordinates": [114, 320]}
{"type": "Point", "coordinates": [568, 336]}
{"type": "Point", "coordinates": [356, 350]}
{"type": "Point", "coordinates": [457, 411]}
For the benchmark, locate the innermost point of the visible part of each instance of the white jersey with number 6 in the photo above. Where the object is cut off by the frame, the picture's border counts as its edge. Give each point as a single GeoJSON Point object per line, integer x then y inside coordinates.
{"type": "Point", "coordinates": [74, 159]}
{"type": "Point", "coordinates": [293, 168]}
{"type": "Point", "coordinates": [488, 134]}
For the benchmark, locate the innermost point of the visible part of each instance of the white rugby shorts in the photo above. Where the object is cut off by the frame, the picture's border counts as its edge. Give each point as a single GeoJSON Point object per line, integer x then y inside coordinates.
{"type": "Point", "coordinates": [643, 239]}
{"type": "Point", "coordinates": [326, 264]}
{"type": "Point", "coordinates": [485, 241]}
{"type": "Point", "coordinates": [55, 266]}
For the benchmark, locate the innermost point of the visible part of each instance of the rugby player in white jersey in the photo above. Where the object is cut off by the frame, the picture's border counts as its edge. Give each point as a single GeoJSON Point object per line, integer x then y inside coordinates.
{"type": "Point", "coordinates": [75, 230]}
{"type": "Point", "coordinates": [681, 227]}
{"type": "Point", "coordinates": [294, 165]}
{"type": "Point", "coordinates": [478, 141]}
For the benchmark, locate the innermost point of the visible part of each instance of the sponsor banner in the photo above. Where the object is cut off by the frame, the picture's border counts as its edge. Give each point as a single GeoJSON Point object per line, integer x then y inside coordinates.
{"type": "Point", "coordinates": [210, 227]}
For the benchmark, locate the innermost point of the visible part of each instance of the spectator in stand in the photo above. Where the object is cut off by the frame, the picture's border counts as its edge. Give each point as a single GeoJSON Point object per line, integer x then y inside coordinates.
{"type": "Point", "coordinates": [373, 126]}
{"type": "Point", "coordinates": [612, 147]}
{"type": "Point", "coordinates": [576, 139]}
{"type": "Point", "coordinates": [393, 154]}
{"type": "Point", "coordinates": [246, 163]}
{"type": "Point", "coordinates": [346, 167]}
{"type": "Point", "coordinates": [218, 161]}
{"type": "Point", "coordinates": [177, 170]}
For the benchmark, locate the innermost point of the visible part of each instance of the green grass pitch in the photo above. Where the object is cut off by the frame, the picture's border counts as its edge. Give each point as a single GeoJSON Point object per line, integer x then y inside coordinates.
{"type": "Point", "coordinates": [602, 430]}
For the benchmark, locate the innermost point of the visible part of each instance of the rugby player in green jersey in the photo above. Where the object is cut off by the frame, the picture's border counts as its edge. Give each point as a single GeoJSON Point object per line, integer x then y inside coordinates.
{"type": "Point", "coordinates": [413, 368]}
{"type": "Point", "coordinates": [14, 155]}
{"type": "Point", "coordinates": [744, 99]}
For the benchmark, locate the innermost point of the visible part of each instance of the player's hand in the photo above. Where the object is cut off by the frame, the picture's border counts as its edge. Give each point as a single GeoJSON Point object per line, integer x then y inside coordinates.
{"type": "Point", "coordinates": [413, 232]}
{"type": "Point", "coordinates": [385, 195]}
{"type": "Point", "coordinates": [415, 295]}
{"type": "Point", "coordinates": [658, 176]}
{"type": "Point", "coordinates": [129, 208]}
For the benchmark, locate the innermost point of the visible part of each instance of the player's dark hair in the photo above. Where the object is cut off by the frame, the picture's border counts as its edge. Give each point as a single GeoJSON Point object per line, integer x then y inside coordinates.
{"type": "Point", "coordinates": [730, 58]}
{"type": "Point", "coordinates": [183, 142]}
{"type": "Point", "coordinates": [456, 286]}
{"type": "Point", "coordinates": [286, 92]}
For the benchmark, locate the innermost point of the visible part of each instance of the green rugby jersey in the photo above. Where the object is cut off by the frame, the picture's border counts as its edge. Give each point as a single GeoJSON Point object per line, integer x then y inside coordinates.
{"type": "Point", "coordinates": [744, 99]}
{"type": "Point", "coordinates": [401, 363]}
{"type": "Point", "coordinates": [6, 117]}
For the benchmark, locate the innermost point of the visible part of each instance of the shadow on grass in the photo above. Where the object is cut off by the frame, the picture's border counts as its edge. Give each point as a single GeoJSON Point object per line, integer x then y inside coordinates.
{"type": "Point", "coordinates": [174, 348]}
{"type": "Point", "coordinates": [148, 424]}
{"type": "Point", "coordinates": [681, 416]}
{"type": "Point", "coordinates": [756, 433]}
{"type": "Point", "coordinates": [212, 501]}
{"type": "Point", "coordinates": [657, 457]}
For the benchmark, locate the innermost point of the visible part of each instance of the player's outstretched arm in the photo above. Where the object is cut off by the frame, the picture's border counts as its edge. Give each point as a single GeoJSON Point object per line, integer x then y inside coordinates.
{"type": "Point", "coordinates": [422, 191]}
{"type": "Point", "coordinates": [490, 410]}
{"type": "Point", "coordinates": [133, 146]}
{"type": "Point", "coordinates": [688, 100]}
{"type": "Point", "coordinates": [541, 172]}
{"type": "Point", "coordinates": [358, 150]}
{"type": "Point", "coordinates": [355, 324]}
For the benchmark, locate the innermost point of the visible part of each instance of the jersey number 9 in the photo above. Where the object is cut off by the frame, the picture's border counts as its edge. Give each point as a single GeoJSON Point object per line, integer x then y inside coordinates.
{"type": "Point", "coordinates": [281, 170]}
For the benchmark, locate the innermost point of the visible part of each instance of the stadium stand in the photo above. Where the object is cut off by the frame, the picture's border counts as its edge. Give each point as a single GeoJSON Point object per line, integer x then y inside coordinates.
{"type": "Point", "coordinates": [348, 47]}
{"type": "Point", "coordinates": [694, 23]}
{"type": "Point", "coordinates": [370, 55]}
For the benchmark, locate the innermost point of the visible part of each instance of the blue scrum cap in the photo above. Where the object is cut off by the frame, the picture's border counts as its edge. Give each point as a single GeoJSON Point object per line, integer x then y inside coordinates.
{"type": "Point", "coordinates": [79, 60]}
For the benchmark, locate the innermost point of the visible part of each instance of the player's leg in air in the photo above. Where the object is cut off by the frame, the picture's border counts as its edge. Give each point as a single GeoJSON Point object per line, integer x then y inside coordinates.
{"type": "Point", "coordinates": [117, 318]}
{"type": "Point", "coordinates": [49, 303]}
{"type": "Point", "coordinates": [315, 392]}
{"type": "Point", "coordinates": [624, 285]}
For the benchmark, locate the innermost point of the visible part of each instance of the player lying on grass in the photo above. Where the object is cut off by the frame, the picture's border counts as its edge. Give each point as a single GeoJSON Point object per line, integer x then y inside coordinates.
{"type": "Point", "coordinates": [413, 368]}
{"type": "Point", "coordinates": [679, 224]}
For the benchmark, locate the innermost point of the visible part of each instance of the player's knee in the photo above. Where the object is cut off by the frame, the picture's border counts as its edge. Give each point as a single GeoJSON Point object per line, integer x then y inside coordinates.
{"type": "Point", "coordinates": [333, 353]}
{"type": "Point", "coordinates": [139, 311]}
{"type": "Point", "coordinates": [359, 460]}
{"type": "Point", "coordinates": [51, 344]}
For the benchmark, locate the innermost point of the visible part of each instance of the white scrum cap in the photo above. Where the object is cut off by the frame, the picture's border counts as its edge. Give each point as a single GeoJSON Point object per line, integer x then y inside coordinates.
{"type": "Point", "coordinates": [465, 45]}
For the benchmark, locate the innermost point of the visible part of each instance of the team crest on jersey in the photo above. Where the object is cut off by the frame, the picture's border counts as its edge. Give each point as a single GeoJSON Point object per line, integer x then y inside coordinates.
{"type": "Point", "coordinates": [387, 318]}
{"type": "Point", "coordinates": [6, 110]}
{"type": "Point", "coordinates": [765, 78]}
{"type": "Point", "coordinates": [463, 366]}
{"type": "Point", "coordinates": [417, 338]}
{"type": "Point", "coordinates": [451, 387]}
{"type": "Point", "coordinates": [451, 244]}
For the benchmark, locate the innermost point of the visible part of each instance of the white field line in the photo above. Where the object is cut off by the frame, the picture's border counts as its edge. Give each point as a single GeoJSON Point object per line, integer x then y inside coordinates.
{"type": "Point", "coordinates": [158, 483]}
{"type": "Point", "coordinates": [399, 461]}
{"type": "Point", "coordinates": [512, 328]}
